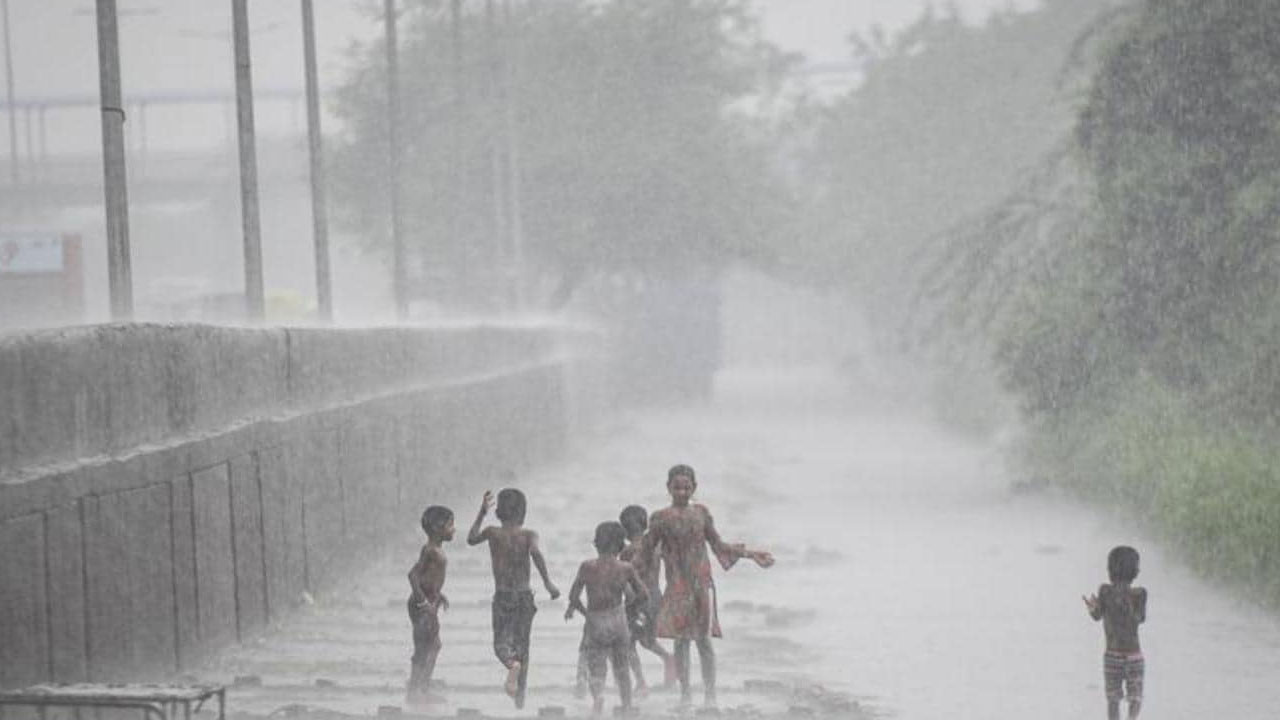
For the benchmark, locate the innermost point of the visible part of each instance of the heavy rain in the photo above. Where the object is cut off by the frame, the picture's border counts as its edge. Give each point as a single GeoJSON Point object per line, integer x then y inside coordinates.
{"type": "Point", "coordinates": [756, 359]}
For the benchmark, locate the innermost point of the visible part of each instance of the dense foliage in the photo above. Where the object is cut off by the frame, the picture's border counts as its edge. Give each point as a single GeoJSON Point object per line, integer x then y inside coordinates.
{"type": "Point", "coordinates": [1084, 201]}
{"type": "Point", "coordinates": [630, 157]}
{"type": "Point", "coordinates": [1147, 363]}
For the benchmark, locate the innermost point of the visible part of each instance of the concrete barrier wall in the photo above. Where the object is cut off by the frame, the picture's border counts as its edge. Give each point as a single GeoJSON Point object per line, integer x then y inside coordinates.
{"type": "Point", "coordinates": [167, 491]}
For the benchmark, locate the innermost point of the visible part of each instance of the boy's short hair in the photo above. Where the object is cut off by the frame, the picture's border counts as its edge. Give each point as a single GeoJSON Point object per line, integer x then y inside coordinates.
{"type": "Point", "coordinates": [435, 519]}
{"type": "Point", "coordinates": [1122, 564]}
{"type": "Point", "coordinates": [634, 519]}
{"type": "Point", "coordinates": [684, 470]}
{"type": "Point", "coordinates": [511, 505]}
{"type": "Point", "coordinates": [610, 537]}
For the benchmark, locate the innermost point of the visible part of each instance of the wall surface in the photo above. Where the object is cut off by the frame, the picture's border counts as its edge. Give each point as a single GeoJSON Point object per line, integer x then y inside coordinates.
{"type": "Point", "coordinates": [168, 490]}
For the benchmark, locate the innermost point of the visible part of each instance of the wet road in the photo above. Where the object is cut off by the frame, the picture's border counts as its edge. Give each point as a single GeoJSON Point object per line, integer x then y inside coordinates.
{"type": "Point", "coordinates": [908, 576]}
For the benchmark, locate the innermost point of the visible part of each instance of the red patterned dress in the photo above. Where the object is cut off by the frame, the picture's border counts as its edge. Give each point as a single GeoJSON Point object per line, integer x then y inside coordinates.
{"type": "Point", "coordinates": [680, 535]}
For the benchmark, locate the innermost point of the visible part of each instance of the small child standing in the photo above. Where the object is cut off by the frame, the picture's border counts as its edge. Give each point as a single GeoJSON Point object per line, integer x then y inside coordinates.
{"type": "Point", "coordinates": [511, 548]}
{"type": "Point", "coordinates": [643, 618]}
{"type": "Point", "coordinates": [607, 581]}
{"type": "Point", "coordinates": [1121, 607]}
{"type": "Point", "coordinates": [426, 580]}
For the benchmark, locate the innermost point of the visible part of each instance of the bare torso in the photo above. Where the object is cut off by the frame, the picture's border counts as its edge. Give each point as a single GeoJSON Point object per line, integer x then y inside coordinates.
{"type": "Point", "coordinates": [605, 580]}
{"type": "Point", "coordinates": [510, 549]}
{"type": "Point", "coordinates": [427, 576]}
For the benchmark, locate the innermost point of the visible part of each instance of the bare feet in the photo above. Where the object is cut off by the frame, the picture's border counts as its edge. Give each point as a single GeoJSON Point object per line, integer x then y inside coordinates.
{"type": "Point", "coordinates": [641, 690]}
{"type": "Point", "coordinates": [512, 685]}
{"type": "Point", "coordinates": [597, 707]}
{"type": "Point", "coordinates": [709, 699]}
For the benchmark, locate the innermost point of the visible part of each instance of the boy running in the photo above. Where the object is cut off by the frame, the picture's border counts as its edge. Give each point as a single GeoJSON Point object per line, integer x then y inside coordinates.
{"type": "Point", "coordinates": [511, 547]}
{"type": "Point", "coordinates": [680, 534]}
{"type": "Point", "coordinates": [1121, 608]}
{"type": "Point", "coordinates": [642, 617]}
{"type": "Point", "coordinates": [607, 581]}
{"type": "Point", "coordinates": [426, 579]}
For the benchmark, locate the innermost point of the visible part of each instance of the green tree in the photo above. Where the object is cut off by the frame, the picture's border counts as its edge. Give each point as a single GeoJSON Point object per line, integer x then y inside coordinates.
{"type": "Point", "coordinates": [632, 159]}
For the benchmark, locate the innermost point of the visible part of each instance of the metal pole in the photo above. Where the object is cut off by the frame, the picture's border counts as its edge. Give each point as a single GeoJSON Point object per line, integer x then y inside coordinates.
{"type": "Point", "coordinates": [319, 208]}
{"type": "Point", "coordinates": [497, 161]}
{"type": "Point", "coordinates": [8, 84]}
{"type": "Point", "coordinates": [253, 287]}
{"type": "Point", "coordinates": [515, 224]}
{"type": "Point", "coordinates": [398, 280]}
{"type": "Point", "coordinates": [115, 177]}
{"type": "Point", "coordinates": [458, 194]}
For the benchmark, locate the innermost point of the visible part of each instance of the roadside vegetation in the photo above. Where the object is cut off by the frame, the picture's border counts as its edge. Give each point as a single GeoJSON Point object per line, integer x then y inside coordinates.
{"type": "Point", "coordinates": [1065, 220]}
{"type": "Point", "coordinates": [1125, 289]}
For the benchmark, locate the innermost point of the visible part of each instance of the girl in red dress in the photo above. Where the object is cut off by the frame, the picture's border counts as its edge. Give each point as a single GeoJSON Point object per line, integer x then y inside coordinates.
{"type": "Point", "coordinates": [680, 535]}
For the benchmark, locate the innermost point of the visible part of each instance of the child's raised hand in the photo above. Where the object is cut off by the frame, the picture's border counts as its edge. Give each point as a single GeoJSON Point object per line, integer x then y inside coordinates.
{"type": "Point", "coordinates": [486, 502]}
{"type": "Point", "coordinates": [1090, 602]}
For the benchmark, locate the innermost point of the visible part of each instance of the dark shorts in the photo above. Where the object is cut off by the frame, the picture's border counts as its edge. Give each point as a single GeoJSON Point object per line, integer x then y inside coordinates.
{"type": "Point", "coordinates": [512, 623]}
{"type": "Point", "coordinates": [1123, 673]}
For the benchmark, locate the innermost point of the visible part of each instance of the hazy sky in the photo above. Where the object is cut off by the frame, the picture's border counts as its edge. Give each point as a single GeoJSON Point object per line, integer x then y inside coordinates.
{"type": "Point", "coordinates": [170, 45]}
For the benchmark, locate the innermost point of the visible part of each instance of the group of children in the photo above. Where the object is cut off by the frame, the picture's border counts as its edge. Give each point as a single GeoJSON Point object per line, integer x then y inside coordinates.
{"type": "Point", "coordinates": [624, 606]}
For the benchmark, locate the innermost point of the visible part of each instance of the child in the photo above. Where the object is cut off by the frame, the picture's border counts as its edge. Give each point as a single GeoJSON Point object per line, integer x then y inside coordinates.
{"type": "Point", "coordinates": [641, 618]}
{"type": "Point", "coordinates": [426, 579]}
{"type": "Point", "coordinates": [607, 580]}
{"type": "Point", "coordinates": [681, 534]}
{"type": "Point", "coordinates": [1121, 608]}
{"type": "Point", "coordinates": [511, 547]}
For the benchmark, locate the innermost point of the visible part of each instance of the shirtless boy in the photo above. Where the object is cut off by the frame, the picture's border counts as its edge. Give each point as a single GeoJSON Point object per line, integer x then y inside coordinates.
{"type": "Point", "coordinates": [607, 581]}
{"type": "Point", "coordinates": [1122, 608]}
{"type": "Point", "coordinates": [642, 617]}
{"type": "Point", "coordinates": [680, 534]}
{"type": "Point", "coordinates": [511, 548]}
{"type": "Point", "coordinates": [426, 579]}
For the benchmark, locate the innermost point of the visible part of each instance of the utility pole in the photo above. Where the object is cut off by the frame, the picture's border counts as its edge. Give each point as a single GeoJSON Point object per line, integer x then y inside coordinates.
{"type": "Point", "coordinates": [253, 284]}
{"type": "Point", "coordinates": [319, 208]}
{"type": "Point", "coordinates": [458, 156]}
{"type": "Point", "coordinates": [115, 177]}
{"type": "Point", "coordinates": [399, 281]}
{"type": "Point", "coordinates": [494, 129]}
{"type": "Point", "coordinates": [515, 223]}
{"type": "Point", "coordinates": [8, 84]}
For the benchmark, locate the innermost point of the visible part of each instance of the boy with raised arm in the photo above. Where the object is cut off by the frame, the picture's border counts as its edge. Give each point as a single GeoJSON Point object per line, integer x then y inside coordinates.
{"type": "Point", "coordinates": [426, 580]}
{"type": "Point", "coordinates": [1122, 608]}
{"type": "Point", "coordinates": [680, 534]}
{"type": "Point", "coordinates": [607, 581]}
{"type": "Point", "coordinates": [511, 548]}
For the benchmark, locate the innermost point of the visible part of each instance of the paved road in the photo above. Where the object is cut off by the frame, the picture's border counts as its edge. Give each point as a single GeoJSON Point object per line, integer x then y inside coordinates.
{"type": "Point", "coordinates": [908, 576]}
